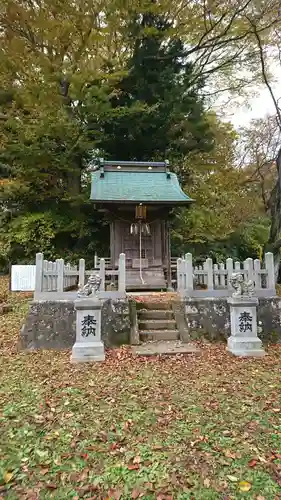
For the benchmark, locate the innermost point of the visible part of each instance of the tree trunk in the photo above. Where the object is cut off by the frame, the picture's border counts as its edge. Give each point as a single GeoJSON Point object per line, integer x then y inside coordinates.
{"type": "Point", "coordinates": [274, 242]}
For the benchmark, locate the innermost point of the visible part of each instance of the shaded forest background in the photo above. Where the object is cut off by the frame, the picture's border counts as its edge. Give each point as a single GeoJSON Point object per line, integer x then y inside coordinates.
{"type": "Point", "coordinates": [137, 80]}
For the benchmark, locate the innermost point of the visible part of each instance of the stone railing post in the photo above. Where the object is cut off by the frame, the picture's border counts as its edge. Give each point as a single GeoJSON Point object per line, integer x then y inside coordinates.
{"type": "Point", "coordinates": [102, 274]}
{"type": "Point", "coordinates": [216, 276]}
{"type": "Point", "coordinates": [50, 276]}
{"type": "Point", "coordinates": [55, 277]}
{"type": "Point", "coordinates": [74, 278]}
{"type": "Point", "coordinates": [45, 276]}
{"type": "Point", "coordinates": [269, 266]}
{"type": "Point", "coordinates": [60, 270]}
{"type": "Point", "coordinates": [122, 273]}
{"type": "Point", "coordinates": [68, 277]}
{"type": "Point", "coordinates": [229, 268]}
{"type": "Point", "coordinates": [188, 269]}
{"type": "Point", "coordinates": [39, 272]}
{"type": "Point", "coordinates": [81, 273]}
{"type": "Point", "coordinates": [249, 267]}
{"type": "Point", "coordinates": [180, 276]}
{"type": "Point", "coordinates": [95, 261]}
{"type": "Point", "coordinates": [209, 270]}
{"type": "Point", "coordinates": [257, 274]}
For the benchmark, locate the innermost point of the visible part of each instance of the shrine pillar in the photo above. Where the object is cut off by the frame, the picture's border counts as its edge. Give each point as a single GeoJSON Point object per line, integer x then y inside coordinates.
{"type": "Point", "coordinates": [169, 273]}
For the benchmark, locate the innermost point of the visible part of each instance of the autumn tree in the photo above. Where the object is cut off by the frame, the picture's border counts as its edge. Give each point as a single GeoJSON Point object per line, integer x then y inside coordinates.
{"type": "Point", "coordinates": [219, 38]}
{"type": "Point", "coordinates": [61, 101]}
{"type": "Point", "coordinates": [224, 203]}
{"type": "Point", "coordinates": [71, 72]}
{"type": "Point", "coordinates": [52, 58]}
{"type": "Point", "coordinates": [268, 53]}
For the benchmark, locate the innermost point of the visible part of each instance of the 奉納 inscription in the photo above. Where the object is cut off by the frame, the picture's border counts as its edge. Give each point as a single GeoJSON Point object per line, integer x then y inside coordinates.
{"type": "Point", "coordinates": [245, 322]}
{"type": "Point", "coordinates": [88, 326]}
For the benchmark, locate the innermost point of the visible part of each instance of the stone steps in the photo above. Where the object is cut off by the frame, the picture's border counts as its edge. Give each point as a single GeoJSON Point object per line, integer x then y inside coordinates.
{"type": "Point", "coordinates": [132, 287]}
{"type": "Point", "coordinates": [153, 306]}
{"type": "Point", "coordinates": [153, 335]}
{"type": "Point", "coordinates": [165, 348]}
{"type": "Point", "coordinates": [157, 324]}
{"type": "Point", "coordinates": [156, 320]}
{"type": "Point", "coordinates": [164, 314]}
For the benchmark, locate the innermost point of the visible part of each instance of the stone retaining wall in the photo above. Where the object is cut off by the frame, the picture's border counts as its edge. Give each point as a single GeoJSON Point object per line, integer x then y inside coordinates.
{"type": "Point", "coordinates": [210, 318]}
{"type": "Point", "coordinates": [51, 324]}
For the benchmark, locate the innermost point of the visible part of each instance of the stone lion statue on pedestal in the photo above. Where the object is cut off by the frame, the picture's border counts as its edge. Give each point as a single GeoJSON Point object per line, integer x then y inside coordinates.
{"type": "Point", "coordinates": [241, 286]}
{"type": "Point", "coordinates": [91, 288]}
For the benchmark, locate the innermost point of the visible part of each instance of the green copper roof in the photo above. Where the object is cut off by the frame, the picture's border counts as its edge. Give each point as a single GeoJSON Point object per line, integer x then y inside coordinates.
{"type": "Point", "coordinates": [137, 187]}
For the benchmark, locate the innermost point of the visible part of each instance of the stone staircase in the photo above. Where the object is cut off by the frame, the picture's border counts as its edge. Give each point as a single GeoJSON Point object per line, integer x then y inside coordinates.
{"type": "Point", "coordinates": [156, 322]}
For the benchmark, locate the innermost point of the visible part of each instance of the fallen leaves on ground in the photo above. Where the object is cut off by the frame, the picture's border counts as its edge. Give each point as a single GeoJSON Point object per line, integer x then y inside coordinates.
{"type": "Point", "coordinates": [185, 427]}
{"type": "Point", "coordinates": [7, 476]}
{"type": "Point", "coordinates": [253, 462]}
{"type": "Point", "coordinates": [6, 296]}
{"type": "Point", "coordinates": [245, 486]}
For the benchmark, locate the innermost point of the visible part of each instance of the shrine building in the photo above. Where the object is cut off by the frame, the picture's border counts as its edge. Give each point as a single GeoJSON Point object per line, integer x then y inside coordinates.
{"type": "Point", "coordinates": [138, 198]}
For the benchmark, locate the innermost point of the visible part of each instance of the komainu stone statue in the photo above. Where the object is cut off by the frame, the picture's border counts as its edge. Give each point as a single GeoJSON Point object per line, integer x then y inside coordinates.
{"type": "Point", "coordinates": [91, 288]}
{"type": "Point", "coordinates": [241, 286]}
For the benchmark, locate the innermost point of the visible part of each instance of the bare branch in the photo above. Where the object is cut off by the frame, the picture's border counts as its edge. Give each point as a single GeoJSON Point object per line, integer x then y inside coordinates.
{"type": "Point", "coordinates": [264, 72]}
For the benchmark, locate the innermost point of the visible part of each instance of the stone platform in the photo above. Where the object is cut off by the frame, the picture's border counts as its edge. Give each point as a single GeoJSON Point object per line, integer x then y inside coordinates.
{"type": "Point", "coordinates": [153, 279]}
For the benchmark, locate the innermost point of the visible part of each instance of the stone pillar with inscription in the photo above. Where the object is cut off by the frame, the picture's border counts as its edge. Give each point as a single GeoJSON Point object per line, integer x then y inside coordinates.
{"type": "Point", "coordinates": [88, 345]}
{"type": "Point", "coordinates": [244, 339]}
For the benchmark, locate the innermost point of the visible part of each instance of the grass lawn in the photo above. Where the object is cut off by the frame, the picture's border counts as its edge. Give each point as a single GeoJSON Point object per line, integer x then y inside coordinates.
{"type": "Point", "coordinates": [196, 427]}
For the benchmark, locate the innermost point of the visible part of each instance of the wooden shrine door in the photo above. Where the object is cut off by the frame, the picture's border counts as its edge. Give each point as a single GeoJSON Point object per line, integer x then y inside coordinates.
{"type": "Point", "coordinates": [134, 248]}
{"type": "Point", "coordinates": [129, 244]}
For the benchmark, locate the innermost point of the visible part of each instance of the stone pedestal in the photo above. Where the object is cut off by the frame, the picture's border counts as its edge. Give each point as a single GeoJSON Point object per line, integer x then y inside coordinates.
{"type": "Point", "coordinates": [88, 345]}
{"type": "Point", "coordinates": [244, 339]}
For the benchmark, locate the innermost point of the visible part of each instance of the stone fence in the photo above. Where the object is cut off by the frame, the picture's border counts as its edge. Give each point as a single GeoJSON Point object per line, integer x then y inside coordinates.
{"type": "Point", "coordinates": [58, 277]}
{"type": "Point", "coordinates": [97, 262]}
{"type": "Point", "coordinates": [213, 280]}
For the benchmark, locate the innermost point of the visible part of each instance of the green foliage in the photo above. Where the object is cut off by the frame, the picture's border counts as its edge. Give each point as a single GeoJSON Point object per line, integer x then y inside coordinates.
{"type": "Point", "coordinates": [248, 240]}
{"type": "Point", "coordinates": [33, 231]}
{"type": "Point", "coordinates": [57, 234]}
{"type": "Point", "coordinates": [158, 111]}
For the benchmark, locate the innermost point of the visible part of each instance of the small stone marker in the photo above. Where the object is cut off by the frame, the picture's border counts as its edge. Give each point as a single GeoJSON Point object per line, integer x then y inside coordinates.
{"type": "Point", "coordinates": [244, 339]}
{"type": "Point", "coordinates": [88, 345]}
